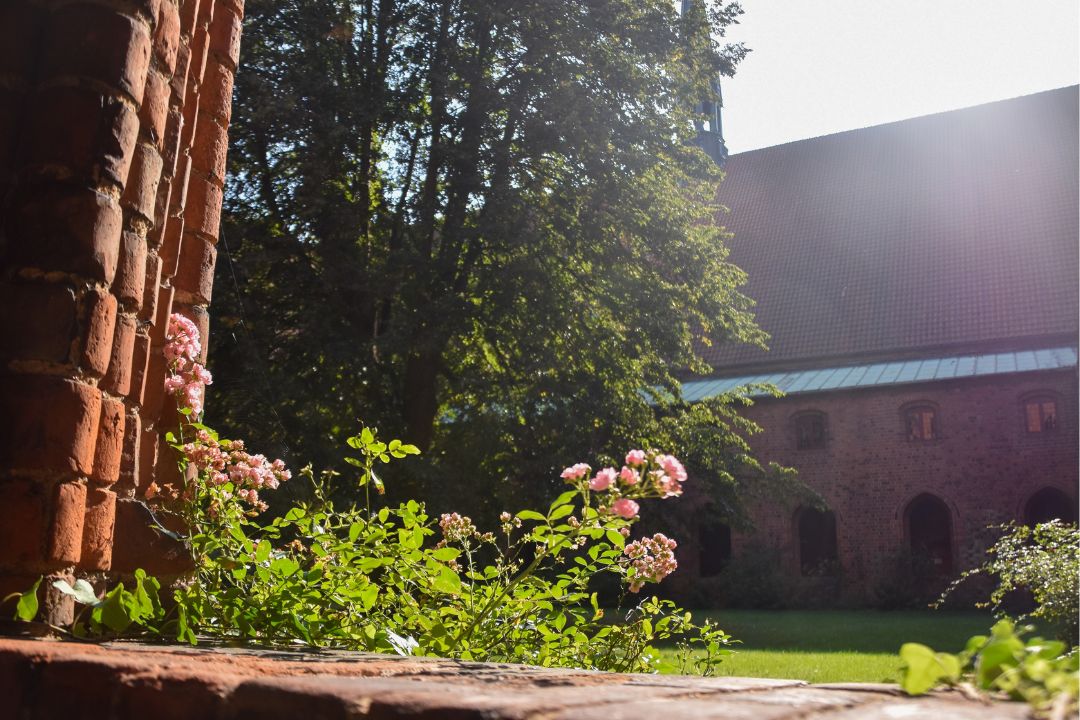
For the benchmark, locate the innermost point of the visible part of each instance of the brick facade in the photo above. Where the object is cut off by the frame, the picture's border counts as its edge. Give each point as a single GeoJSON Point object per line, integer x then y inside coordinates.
{"type": "Point", "coordinates": [113, 122]}
{"type": "Point", "coordinates": [985, 466]}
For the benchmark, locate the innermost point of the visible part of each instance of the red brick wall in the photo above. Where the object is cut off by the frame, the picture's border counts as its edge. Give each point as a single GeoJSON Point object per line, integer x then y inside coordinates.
{"type": "Point", "coordinates": [985, 466]}
{"type": "Point", "coordinates": [113, 122]}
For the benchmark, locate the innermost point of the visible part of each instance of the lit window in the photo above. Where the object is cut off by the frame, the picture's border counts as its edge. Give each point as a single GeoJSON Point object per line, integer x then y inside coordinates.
{"type": "Point", "coordinates": [810, 431]}
{"type": "Point", "coordinates": [921, 423]}
{"type": "Point", "coordinates": [1040, 415]}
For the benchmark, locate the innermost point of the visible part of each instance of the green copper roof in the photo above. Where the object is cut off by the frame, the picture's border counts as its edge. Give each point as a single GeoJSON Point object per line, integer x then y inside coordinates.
{"type": "Point", "coordinates": [890, 373]}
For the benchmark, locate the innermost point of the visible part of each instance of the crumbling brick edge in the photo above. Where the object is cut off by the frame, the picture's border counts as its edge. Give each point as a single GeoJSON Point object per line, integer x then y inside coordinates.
{"type": "Point", "coordinates": [54, 679]}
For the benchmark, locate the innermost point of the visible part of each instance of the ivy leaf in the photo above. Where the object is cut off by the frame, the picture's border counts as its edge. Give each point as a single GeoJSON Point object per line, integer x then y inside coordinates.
{"type": "Point", "coordinates": [27, 607]}
{"type": "Point", "coordinates": [111, 611]}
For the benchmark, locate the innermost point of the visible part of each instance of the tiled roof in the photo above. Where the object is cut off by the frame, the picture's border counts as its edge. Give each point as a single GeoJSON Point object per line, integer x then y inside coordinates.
{"type": "Point", "coordinates": [951, 232]}
{"type": "Point", "coordinates": [889, 373]}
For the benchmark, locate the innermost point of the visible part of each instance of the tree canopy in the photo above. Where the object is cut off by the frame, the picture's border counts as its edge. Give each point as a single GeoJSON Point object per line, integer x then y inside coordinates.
{"type": "Point", "coordinates": [482, 226]}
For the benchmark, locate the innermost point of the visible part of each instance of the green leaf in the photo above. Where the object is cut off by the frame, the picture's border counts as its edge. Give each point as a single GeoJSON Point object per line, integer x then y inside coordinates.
{"type": "Point", "coordinates": [366, 436]}
{"type": "Point", "coordinates": [27, 607]}
{"type": "Point", "coordinates": [531, 515]}
{"type": "Point", "coordinates": [446, 554]}
{"type": "Point", "coordinates": [262, 553]}
{"type": "Point", "coordinates": [921, 668]}
{"type": "Point", "coordinates": [560, 512]}
{"type": "Point", "coordinates": [615, 538]}
{"type": "Point", "coordinates": [111, 612]}
{"type": "Point", "coordinates": [83, 591]}
{"type": "Point", "coordinates": [563, 499]}
{"type": "Point", "coordinates": [354, 531]}
{"type": "Point", "coordinates": [447, 581]}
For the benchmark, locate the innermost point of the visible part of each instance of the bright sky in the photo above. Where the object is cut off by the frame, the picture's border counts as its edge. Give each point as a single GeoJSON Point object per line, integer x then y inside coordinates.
{"type": "Point", "coordinates": [824, 66]}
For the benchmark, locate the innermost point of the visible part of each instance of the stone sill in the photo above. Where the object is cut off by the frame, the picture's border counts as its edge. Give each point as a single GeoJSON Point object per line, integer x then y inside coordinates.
{"type": "Point", "coordinates": [121, 681]}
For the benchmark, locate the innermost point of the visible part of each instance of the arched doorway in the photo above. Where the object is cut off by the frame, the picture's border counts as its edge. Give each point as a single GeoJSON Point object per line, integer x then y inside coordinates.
{"type": "Point", "coordinates": [714, 548]}
{"type": "Point", "coordinates": [1049, 504]}
{"type": "Point", "coordinates": [817, 541]}
{"type": "Point", "coordinates": [928, 524]}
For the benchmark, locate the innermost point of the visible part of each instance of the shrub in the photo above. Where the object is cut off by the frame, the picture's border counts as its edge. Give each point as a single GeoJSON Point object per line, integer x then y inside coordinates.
{"type": "Point", "coordinates": [1044, 561]}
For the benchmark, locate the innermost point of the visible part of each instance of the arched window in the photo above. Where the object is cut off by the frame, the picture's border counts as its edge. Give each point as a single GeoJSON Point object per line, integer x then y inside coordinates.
{"type": "Point", "coordinates": [1040, 413]}
{"type": "Point", "coordinates": [817, 541]}
{"type": "Point", "coordinates": [929, 530]}
{"type": "Point", "coordinates": [715, 548]}
{"type": "Point", "coordinates": [810, 430]}
{"type": "Point", "coordinates": [1049, 504]}
{"type": "Point", "coordinates": [921, 422]}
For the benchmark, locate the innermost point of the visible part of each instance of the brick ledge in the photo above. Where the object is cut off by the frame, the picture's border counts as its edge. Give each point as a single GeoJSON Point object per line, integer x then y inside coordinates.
{"type": "Point", "coordinates": [118, 681]}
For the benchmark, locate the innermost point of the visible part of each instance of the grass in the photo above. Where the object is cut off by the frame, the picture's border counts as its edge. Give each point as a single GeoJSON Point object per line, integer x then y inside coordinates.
{"type": "Point", "coordinates": [836, 645]}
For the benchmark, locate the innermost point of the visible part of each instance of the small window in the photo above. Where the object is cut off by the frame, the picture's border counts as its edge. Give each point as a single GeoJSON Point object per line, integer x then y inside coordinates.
{"type": "Point", "coordinates": [921, 423]}
{"type": "Point", "coordinates": [810, 430]}
{"type": "Point", "coordinates": [1040, 415]}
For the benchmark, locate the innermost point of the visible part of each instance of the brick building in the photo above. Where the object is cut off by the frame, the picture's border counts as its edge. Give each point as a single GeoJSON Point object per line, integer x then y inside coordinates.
{"type": "Point", "coordinates": [919, 282]}
{"type": "Point", "coordinates": [113, 131]}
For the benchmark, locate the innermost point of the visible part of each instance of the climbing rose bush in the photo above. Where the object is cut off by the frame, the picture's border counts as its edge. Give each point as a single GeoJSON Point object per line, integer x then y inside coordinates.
{"type": "Point", "coordinates": [394, 579]}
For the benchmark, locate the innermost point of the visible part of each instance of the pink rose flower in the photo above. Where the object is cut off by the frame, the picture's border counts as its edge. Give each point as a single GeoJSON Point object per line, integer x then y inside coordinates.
{"type": "Point", "coordinates": [672, 467]}
{"type": "Point", "coordinates": [603, 479]}
{"type": "Point", "coordinates": [635, 457]}
{"type": "Point", "coordinates": [625, 508]}
{"type": "Point", "coordinates": [629, 476]}
{"type": "Point", "coordinates": [575, 472]}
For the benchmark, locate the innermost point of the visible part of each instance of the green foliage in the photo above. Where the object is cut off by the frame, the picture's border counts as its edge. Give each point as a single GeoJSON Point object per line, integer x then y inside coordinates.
{"type": "Point", "coordinates": [364, 578]}
{"type": "Point", "coordinates": [1037, 671]}
{"type": "Point", "coordinates": [483, 228]}
{"type": "Point", "coordinates": [367, 578]}
{"type": "Point", "coordinates": [1045, 561]}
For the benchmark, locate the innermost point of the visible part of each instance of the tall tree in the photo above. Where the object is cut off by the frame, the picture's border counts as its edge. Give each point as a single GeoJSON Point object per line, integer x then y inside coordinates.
{"type": "Point", "coordinates": [482, 226]}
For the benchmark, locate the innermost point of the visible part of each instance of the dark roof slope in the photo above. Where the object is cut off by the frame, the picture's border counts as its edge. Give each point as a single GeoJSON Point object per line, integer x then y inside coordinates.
{"type": "Point", "coordinates": [951, 231]}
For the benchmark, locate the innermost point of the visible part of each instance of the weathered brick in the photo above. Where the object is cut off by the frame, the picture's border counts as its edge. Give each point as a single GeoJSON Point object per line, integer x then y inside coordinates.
{"type": "Point", "coordinates": [154, 110]}
{"type": "Point", "coordinates": [189, 14]}
{"type": "Point", "coordinates": [225, 35]}
{"type": "Point", "coordinates": [208, 154]}
{"type": "Point", "coordinates": [161, 209]}
{"type": "Point", "coordinates": [203, 211]}
{"type": "Point", "coordinates": [195, 274]}
{"type": "Point", "coordinates": [153, 389]}
{"type": "Point", "coordinates": [140, 193]}
{"type": "Point", "coordinates": [75, 132]}
{"type": "Point", "coordinates": [131, 270]}
{"type": "Point", "coordinates": [129, 465]}
{"type": "Point", "coordinates": [166, 42]}
{"type": "Point", "coordinates": [37, 321]}
{"type": "Point", "coordinates": [151, 288]}
{"type": "Point", "coordinates": [174, 124]}
{"type": "Point", "coordinates": [21, 26]}
{"type": "Point", "coordinates": [137, 543]}
{"type": "Point", "coordinates": [117, 379]}
{"type": "Point", "coordinates": [69, 513]}
{"type": "Point", "coordinates": [110, 442]}
{"type": "Point", "coordinates": [50, 424]}
{"type": "Point", "coordinates": [97, 538]}
{"type": "Point", "coordinates": [140, 360]}
{"type": "Point", "coordinates": [169, 252]}
{"type": "Point", "coordinates": [12, 108]}
{"type": "Point", "coordinates": [200, 46]}
{"type": "Point", "coordinates": [99, 325]}
{"type": "Point", "coordinates": [23, 524]}
{"type": "Point", "coordinates": [149, 446]}
{"type": "Point", "coordinates": [173, 697]}
{"type": "Point", "coordinates": [215, 91]}
{"type": "Point", "coordinates": [75, 230]}
{"type": "Point", "coordinates": [179, 80]}
{"type": "Point", "coordinates": [99, 43]}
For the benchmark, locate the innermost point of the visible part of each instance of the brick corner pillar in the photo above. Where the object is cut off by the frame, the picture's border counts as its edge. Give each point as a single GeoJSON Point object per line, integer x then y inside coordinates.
{"type": "Point", "coordinates": [113, 131]}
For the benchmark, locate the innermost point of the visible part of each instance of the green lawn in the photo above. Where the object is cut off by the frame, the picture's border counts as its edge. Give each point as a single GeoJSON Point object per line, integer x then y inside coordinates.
{"type": "Point", "coordinates": [836, 645]}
